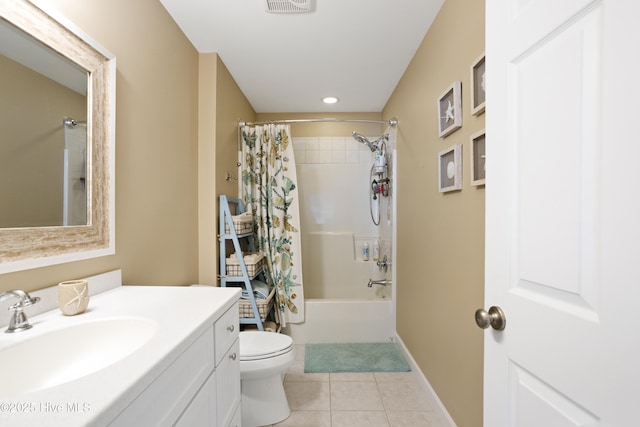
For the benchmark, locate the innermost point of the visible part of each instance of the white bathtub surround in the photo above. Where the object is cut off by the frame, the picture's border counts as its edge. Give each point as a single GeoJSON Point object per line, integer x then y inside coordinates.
{"type": "Point", "coordinates": [345, 320]}
{"type": "Point", "coordinates": [334, 182]}
{"type": "Point", "coordinates": [334, 267]}
{"type": "Point", "coordinates": [175, 353]}
{"type": "Point", "coordinates": [327, 150]}
{"type": "Point", "coordinates": [343, 307]}
{"type": "Point", "coordinates": [334, 208]}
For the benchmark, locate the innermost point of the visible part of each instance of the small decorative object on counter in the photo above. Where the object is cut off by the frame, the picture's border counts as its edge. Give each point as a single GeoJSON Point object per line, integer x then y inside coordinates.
{"type": "Point", "coordinates": [73, 297]}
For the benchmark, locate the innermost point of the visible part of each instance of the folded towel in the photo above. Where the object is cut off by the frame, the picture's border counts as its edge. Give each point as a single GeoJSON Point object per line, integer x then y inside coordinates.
{"type": "Point", "coordinates": [260, 290]}
{"type": "Point", "coordinates": [246, 216]}
{"type": "Point", "coordinates": [249, 258]}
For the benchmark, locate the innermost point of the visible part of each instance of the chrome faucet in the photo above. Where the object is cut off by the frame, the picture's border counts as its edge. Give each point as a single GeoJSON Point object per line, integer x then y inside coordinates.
{"type": "Point", "coordinates": [383, 264]}
{"type": "Point", "coordinates": [383, 282]}
{"type": "Point", "coordinates": [18, 321]}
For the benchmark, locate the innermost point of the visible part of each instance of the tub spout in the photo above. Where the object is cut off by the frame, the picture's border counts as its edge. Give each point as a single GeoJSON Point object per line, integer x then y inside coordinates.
{"type": "Point", "coordinates": [383, 282]}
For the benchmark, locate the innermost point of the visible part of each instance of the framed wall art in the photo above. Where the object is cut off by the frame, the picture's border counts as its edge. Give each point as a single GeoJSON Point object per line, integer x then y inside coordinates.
{"type": "Point", "coordinates": [450, 169]}
{"type": "Point", "coordinates": [478, 158]}
{"type": "Point", "coordinates": [477, 86]}
{"type": "Point", "coordinates": [450, 109]}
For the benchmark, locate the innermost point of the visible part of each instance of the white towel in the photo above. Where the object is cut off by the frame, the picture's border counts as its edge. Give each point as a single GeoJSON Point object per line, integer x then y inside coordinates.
{"type": "Point", "coordinates": [249, 258]}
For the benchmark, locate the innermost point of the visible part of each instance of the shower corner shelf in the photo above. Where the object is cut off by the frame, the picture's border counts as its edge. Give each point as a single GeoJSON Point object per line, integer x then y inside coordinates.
{"type": "Point", "coordinates": [240, 274]}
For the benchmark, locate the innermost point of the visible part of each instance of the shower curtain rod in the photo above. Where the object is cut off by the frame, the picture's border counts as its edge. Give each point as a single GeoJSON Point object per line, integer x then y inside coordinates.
{"type": "Point", "coordinates": [71, 123]}
{"type": "Point", "coordinates": [392, 122]}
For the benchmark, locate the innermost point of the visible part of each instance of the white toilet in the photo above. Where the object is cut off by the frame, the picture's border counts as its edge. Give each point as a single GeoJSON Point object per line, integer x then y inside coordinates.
{"type": "Point", "coordinates": [264, 358]}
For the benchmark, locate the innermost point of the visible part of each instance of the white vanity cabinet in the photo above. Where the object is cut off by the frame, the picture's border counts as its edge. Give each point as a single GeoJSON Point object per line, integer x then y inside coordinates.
{"type": "Point", "coordinates": [218, 401]}
{"type": "Point", "coordinates": [200, 411]}
{"type": "Point", "coordinates": [227, 368]}
{"type": "Point", "coordinates": [167, 356]}
{"type": "Point", "coordinates": [200, 388]}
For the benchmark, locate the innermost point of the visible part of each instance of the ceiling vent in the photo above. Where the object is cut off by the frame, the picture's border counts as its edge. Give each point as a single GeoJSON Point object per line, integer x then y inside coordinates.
{"type": "Point", "coordinates": [287, 6]}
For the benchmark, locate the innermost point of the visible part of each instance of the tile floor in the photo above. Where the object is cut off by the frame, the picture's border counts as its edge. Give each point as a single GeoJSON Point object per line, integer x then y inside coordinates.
{"type": "Point", "coordinates": [371, 399]}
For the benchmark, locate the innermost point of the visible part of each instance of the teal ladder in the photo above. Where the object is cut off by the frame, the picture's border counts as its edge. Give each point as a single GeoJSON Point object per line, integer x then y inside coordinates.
{"type": "Point", "coordinates": [226, 221]}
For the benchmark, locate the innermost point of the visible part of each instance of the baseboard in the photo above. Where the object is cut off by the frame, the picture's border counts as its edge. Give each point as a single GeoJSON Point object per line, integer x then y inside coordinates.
{"type": "Point", "coordinates": [436, 403]}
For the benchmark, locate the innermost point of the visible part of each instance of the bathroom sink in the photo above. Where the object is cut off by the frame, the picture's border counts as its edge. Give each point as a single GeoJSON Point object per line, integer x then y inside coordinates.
{"type": "Point", "coordinates": [70, 352]}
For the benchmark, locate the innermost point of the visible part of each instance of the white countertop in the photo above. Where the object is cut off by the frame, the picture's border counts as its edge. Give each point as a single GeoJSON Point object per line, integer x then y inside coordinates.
{"type": "Point", "coordinates": [181, 314]}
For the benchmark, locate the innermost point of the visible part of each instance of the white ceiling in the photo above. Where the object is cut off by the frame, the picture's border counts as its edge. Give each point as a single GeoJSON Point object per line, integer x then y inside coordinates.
{"type": "Point", "coordinates": [356, 50]}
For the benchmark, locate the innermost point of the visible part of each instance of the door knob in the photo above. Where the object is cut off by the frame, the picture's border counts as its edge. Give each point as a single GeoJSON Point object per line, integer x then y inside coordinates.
{"type": "Point", "coordinates": [494, 318]}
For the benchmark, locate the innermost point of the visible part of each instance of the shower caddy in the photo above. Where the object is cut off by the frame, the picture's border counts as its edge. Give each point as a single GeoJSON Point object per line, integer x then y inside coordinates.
{"type": "Point", "coordinates": [252, 311]}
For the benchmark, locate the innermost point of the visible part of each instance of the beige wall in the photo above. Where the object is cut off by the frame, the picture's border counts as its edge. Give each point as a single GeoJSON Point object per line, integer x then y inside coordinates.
{"type": "Point", "coordinates": [232, 107]}
{"type": "Point", "coordinates": [441, 237]}
{"type": "Point", "coordinates": [156, 146]}
{"type": "Point", "coordinates": [221, 105]}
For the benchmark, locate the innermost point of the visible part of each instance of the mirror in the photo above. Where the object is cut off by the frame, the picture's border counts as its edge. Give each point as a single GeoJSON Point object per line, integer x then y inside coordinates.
{"type": "Point", "coordinates": [66, 141]}
{"type": "Point", "coordinates": [43, 143]}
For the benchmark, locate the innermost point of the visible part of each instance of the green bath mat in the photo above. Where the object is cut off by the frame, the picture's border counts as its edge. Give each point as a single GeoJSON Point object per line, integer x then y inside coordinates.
{"type": "Point", "coordinates": [354, 357]}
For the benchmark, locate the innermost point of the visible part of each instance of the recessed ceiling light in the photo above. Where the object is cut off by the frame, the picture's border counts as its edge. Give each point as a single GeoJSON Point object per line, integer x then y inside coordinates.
{"type": "Point", "coordinates": [329, 99]}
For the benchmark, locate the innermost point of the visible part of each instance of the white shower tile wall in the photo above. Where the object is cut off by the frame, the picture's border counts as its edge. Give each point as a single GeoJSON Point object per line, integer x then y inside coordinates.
{"type": "Point", "coordinates": [330, 150]}
{"type": "Point", "coordinates": [334, 198]}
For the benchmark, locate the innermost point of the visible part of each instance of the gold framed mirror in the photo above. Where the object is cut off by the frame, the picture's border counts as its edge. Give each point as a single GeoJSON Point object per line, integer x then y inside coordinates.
{"type": "Point", "coordinates": [30, 247]}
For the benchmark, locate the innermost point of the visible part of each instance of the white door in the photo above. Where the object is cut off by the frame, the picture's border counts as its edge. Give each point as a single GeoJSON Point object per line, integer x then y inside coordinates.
{"type": "Point", "coordinates": [563, 213]}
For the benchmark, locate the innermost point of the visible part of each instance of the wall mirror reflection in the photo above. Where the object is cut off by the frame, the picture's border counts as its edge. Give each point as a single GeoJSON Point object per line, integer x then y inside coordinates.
{"type": "Point", "coordinates": [43, 143]}
{"type": "Point", "coordinates": [57, 131]}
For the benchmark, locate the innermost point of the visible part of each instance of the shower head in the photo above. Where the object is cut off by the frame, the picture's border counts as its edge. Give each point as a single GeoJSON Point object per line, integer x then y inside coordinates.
{"type": "Point", "coordinates": [364, 140]}
{"type": "Point", "coordinates": [377, 145]}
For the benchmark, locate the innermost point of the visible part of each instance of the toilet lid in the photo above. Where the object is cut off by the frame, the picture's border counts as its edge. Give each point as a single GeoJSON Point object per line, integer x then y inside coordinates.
{"type": "Point", "coordinates": [261, 345]}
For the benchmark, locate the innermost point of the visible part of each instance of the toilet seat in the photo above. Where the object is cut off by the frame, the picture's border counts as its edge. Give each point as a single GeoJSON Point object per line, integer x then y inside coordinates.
{"type": "Point", "coordinates": [258, 345]}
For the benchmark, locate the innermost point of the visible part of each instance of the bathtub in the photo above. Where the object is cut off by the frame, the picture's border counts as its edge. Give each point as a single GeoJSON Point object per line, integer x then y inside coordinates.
{"type": "Point", "coordinates": [344, 320]}
{"type": "Point", "coordinates": [339, 306]}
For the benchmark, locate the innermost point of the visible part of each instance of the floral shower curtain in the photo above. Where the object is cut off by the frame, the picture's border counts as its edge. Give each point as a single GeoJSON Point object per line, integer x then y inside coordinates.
{"type": "Point", "coordinates": [269, 191]}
